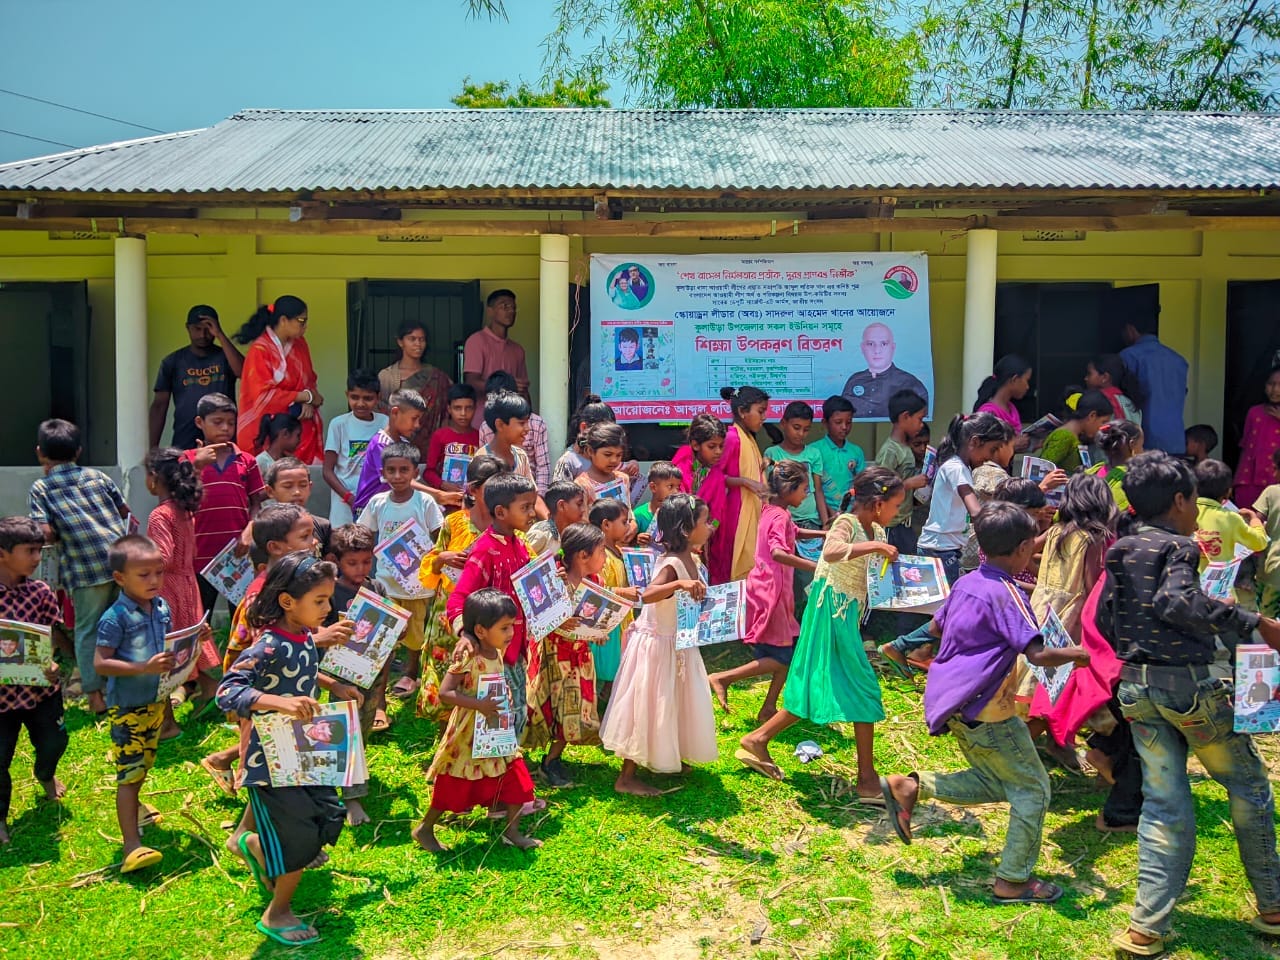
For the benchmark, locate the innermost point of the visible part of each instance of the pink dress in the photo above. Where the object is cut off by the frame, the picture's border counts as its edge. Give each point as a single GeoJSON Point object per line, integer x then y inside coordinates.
{"type": "Point", "coordinates": [1008, 414]}
{"type": "Point", "coordinates": [173, 531]}
{"type": "Point", "coordinates": [771, 600]}
{"type": "Point", "coordinates": [710, 486]}
{"type": "Point", "coordinates": [1256, 471]}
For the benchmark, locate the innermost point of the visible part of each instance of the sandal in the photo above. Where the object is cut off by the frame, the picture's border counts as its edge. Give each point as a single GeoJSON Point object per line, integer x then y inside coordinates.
{"type": "Point", "coordinates": [895, 812]}
{"type": "Point", "coordinates": [900, 669]}
{"type": "Point", "coordinates": [141, 858]}
{"type": "Point", "coordinates": [278, 934]}
{"type": "Point", "coordinates": [1263, 927]}
{"type": "Point", "coordinates": [1124, 943]}
{"type": "Point", "coordinates": [763, 767]}
{"type": "Point", "coordinates": [259, 872]}
{"type": "Point", "coordinates": [225, 779]}
{"type": "Point", "coordinates": [380, 722]}
{"type": "Point", "coordinates": [405, 688]}
{"type": "Point", "coordinates": [1037, 891]}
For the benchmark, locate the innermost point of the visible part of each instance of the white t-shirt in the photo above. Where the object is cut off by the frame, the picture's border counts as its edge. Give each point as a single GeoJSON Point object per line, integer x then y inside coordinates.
{"type": "Point", "coordinates": [349, 438]}
{"type": "Point", "coordinates": [948, 524]}
{"type": "Point", "coordinates": [382, 515]}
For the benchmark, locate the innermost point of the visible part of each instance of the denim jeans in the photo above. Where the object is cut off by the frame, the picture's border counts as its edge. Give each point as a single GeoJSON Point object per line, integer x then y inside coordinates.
{"type": "Point", "coordinates": [1164, 724]}
{"type": "Point", "coordinates": [90, 604]}
{"type": "Point", "coordinates": [1005, 766]}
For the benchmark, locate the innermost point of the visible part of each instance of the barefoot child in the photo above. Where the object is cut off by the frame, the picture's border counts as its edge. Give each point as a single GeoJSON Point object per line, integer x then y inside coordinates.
{"type": "Point", "coordinates": [614, 520]}
{"type": "Point", "coordinates": [831, 680]}
{"type": "Point", "coordinates": [39, 709]}
{"type": "Point", "coordinates": [771, 615]}
{"type": "Point", "coordinates": [293, 824]}
{"type": "Point", "coordinates": [459, 780]}
{"type": "Point", "coordinates": [984, 624]}
{"type": "Point", "coordinates": [660, 716]}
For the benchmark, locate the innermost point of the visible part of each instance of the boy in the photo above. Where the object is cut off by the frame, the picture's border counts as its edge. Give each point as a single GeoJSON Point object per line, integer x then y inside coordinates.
{"type": "Point", "coordinates": [535, 441]}
{"type": "Point", "coordinates": [906, 413]}
{"type": "Point", "coordinates": [507, 415]}
{"type": "Point", "coordinates": [1219, 530]}
{"type": "Point", "coordinates": [131, 655]}
{"type": "Point", "coordinates": [382, 515]}
{"type": "Point", "coordinates": [39, 709]}
{"type": "Point", "coordinates": [1202, 440]}
{"type": "Point", "coordinates": [407, 408]}
{"type": "Point", "coordinates": [664, 480]}
{"type": "Point", "coordinates": [347, 440]}
{"type": "Point", "coordinates": [512, 502]}
{"type": "Point", "coordinates": [86, 513]}
{"type": "Point", "coordinates": [838, 460]}
{"type": "Point", "coordinates": [457, 437]}
{"type": "Point", "coordinates": [920, 504]}
{"type": "Point", "coordinates": [1163, 628]}
{"type": "Point", "coordinates": [797, 419]}
{"type": "Point", "coordinates": [233, 487]}
{"type": "Point", "coordinates": [289, 481]}
{"type": "Point", "coordinates": [984, 625]}
{"type": "Point", "coordinates": [567, 503]}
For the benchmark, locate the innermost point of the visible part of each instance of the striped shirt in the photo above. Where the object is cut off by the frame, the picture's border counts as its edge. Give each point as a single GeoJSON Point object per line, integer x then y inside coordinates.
{"type": "Point", "coordinates": [84, 508]}
{"type": "Point", "coordinates": [224, 511]}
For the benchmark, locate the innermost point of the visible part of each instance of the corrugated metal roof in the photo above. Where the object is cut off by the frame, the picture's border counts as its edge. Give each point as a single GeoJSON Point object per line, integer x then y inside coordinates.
{"type": "Point", "coordinates": [303, 150]}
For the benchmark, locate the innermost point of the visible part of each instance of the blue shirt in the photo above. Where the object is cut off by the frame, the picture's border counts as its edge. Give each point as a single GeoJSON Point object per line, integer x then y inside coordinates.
{"type": "Point", "coordinates": [127, 632]}
{"type": "Point", "coordinates": [837, 466]}
{"type": "Point", "coordinates": [1162, 376]}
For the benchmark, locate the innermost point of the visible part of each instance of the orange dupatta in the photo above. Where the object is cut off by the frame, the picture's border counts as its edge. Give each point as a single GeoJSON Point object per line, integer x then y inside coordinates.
{"type": "Point", "coordinates": [272, 378]}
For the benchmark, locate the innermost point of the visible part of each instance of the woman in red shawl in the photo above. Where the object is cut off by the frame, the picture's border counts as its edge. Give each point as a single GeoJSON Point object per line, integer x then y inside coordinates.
{"type": "Point", "coordinates": [278, 377]}
{"type": "Point", "coordinates": [699, 463]}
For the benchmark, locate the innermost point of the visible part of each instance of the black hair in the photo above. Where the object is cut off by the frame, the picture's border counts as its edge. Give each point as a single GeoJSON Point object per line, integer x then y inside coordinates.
{"type": "Point", "coordinates": [130, 547]}
{"type": "Point", "coordinates": [491, 298]}
{"type": "Point", "coordinates": [274, 521]}
{"type": "Point", "coordinates": [1144, 323]}
{"type": "Point", "coordinates": [605, 509]}
{"type": "Point", "coordinates": [505, 405]}
{"type": "Point", "coordinates": [352, 538]}
{"type": "Point", "coordinates": [401, 451]}
{"type": "Point", "coordinates": [17, 531]}
{"type": "Point", "coordinates": [212, 403]}
{"type": "Point", "coordinates": [968, 427]}
{"type": "Point", "coordinates": [296, 574]}
{"type": "Point", "coordinates": [591, 410]}
{"type": "Point", "coordinates": [676, 519]}
{"type": "Point", "coordinates": [579, 538]}
{"type": "Point", "coordinates": [787, 476]}
{"type": "Point", "coordinates": [269, 316]}
{"type": "Point", "coordinates": [904, 402]}
{"type": "Point", "coordinates": [1153, 479]}
{"type": "Point", "coordinates": [407, 326]}
{"type": "Point", "coordinates": [924, 430]}
{"type": "Point", "coordinates": [1113, 367]}
{"type": "Point", "coordinates": [1116, 437]}
{"type": "Point", "coordinates": [1091, 401]}
{"type": "Point", "coordinates": [484, 608]}
{"type": "Point", "coordinates": [363, 380]}
{"type": "Point", "coordinates": [630, 334]}
{"type": "Point", "coordinates": [199, 312]}
{"type": "Point", "coordinates": [835, 404]}
{"type": "Point", "coordinates": [664, 470]}
{"type": "Point", "coordinates": [503, 488]}
{"type": "Point", "coordinates": [481, 468]}
{"type": "Point", "coordinates": [797, 410]}
{"type": "Point", "coordinates": [461, 391]}
{"type": "Point", "coordinates": [1275, 458]}
{"type": "Point", "coordinates": [743, 398]}
{"type": "Point", "coordinates": [1003, 527]}
{"type": "Point", "coordinates": [273, 425]}
{"type": "Point", "coordinates": [1214, 479]}
{"type": "Point", "coordinates": [775, 435]}
{"type": "Point", "coordinates": [1007, 368]}
{"type": "Point", "coordinates": [562, 491]}
{"type": "Point", "coordinates": [280, 466]}
{"type": "Point", "coordinates": [871, 485]}
{"type": "Point", "coordinates": [1088, 506]}
{"type": "Point", "coordinates": [705, 427]}
{"type": "Point", "coordinates": [500, 380]}
{"type": "Point", "coordinates": [606, 435]}
{"type": "Point", "coordinates": [58, 440]}
{"type": "Point", "coordinates": [1021, 491]}
{"type": "Point", "coordinates": [1203, 433]}
{"type": "Point", "coordinates": [407, 398]}
{"type": "Point", "coordinates": [178, 477]}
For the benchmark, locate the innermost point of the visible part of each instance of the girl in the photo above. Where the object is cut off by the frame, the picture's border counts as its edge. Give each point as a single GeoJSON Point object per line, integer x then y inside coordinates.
{"type": "Point", "coordinates": [1260, 442]}
{"type": "Point", "coordinates": [771, 615]}
{"type": "Point", "coordinates": [1062, 446]}
{"type": "Point", "coordinates": [831, 680]}
{"type": "Point", "coordinates": [459, 780]}
{"type": "Point", "coordinates": [1074, 550]}
{"type": "Point", "coordinates": [614, 520]}
{"type": "Point", "coordinates": [998, 393]}
{"type": "Point", "coordinates": [1028, 495]}
{"type": "Point", "coordinates": [278, 436]}
{"type": "Point", "coordinates": [461, 528]}
{"type": "Point", "coordinates": [1120, 441]}
{"type": "Point", "coordinates": [732, 553]}
{"type": "Point", "coordinates": [606, 443]}
{"type": "Point", "coordinates": [986, 479]}
{"type": "Point", "coordinates": [660, 715]}
{"type": "Point", "coordinates": [293, 824]}
{"type": "Point", "coordinates": [410, 373]}
{"type": "Point", "coordinates": [700, 462]}
{"type": "Point", "coordinates": [1107, 374]}
{"type": "Point", "coordinates": [575, 459]}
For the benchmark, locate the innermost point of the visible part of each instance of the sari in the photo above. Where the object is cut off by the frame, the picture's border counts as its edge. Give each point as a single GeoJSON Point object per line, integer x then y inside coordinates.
{"type": "Point", "coordinates": [709, 485]}
{"type": "Point", "coordinates": [742, 508]}
{"type": "Point", "coordinates": [429, 383]}
{"type": "Point", "coordinates": [1256, 471]}
{"type": "Point", "coordinates": [274, 373]}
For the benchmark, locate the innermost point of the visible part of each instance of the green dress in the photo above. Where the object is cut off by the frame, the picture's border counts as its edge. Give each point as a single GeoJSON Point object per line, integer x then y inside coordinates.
{"type": "Point", "coordinates": [830, 679]}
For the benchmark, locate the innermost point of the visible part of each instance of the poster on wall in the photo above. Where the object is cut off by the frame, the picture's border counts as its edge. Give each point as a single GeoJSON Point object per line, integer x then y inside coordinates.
{"type": "Point", "coordinates": [670, 330]}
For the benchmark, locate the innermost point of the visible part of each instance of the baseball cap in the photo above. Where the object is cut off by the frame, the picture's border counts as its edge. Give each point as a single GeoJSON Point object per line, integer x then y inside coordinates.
{"type": "Point", "coordinates": [200, 310]}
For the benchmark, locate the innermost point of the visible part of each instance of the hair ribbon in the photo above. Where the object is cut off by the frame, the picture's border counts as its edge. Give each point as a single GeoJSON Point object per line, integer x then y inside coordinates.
{"type": "Point", "coordinates": [271, 308]}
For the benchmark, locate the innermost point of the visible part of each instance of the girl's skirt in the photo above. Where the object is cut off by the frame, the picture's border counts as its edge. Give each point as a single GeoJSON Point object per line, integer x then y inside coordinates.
{"type": "Point", "coordinates": [459, 795]}
{"type": "Point", "coordinates": [831, 680]}
{"type": "Point", "coordinates": [295, 824]}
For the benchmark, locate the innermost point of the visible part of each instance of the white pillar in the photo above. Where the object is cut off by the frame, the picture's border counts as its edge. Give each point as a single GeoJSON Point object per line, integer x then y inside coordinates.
{"type": "Point", "coordinates": [553, 338]}
{"type": "Point", "coordinates": [131, 351]}
{"type": "Point", "coordinates": [979, 313]}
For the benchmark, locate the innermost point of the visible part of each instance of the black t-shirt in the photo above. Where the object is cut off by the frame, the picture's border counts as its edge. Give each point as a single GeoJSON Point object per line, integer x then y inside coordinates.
{"type": "Point", "coordinates": [187, 377]}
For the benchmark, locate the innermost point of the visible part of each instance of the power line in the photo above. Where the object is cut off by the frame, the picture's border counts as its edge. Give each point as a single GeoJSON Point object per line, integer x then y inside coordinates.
{"type": "Point", "coordinates": [87, 113]}
{"type": "Point", "coordinates": [27, 136]}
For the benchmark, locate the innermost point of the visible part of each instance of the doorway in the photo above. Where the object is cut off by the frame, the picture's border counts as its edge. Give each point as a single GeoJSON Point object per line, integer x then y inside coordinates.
{"type": "Point", "coordinates": [1253, 348]}
{"type": "Point", "coordinates": [448, 311]}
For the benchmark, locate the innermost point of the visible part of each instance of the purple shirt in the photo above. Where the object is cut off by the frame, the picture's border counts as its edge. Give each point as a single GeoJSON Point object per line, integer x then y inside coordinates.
{"type": "Point", "coordinates": [371, 482]}
{"type": "Point", "coordinates": [986, 623]}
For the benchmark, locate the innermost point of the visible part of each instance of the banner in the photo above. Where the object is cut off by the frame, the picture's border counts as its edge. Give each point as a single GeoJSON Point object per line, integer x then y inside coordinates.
{"type": "Point", "coordinates": [670, 330]}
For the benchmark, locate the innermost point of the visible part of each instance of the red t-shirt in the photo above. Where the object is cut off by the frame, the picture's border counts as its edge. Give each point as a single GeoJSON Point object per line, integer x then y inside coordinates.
{"type": "Point", "coordinates": [224, 511]}
{"type": "Point", "coordinates": [444, 442]}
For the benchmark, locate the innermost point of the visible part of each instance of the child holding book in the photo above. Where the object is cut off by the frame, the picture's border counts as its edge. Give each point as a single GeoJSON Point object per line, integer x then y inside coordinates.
{"type": "Point", "coordinates": [1220, 531]}
{"type": "Point", "coordinates": [289, 481]}
{"type": "Point", "coordinates": [839, 460]}
{"type": "Point", "coordinates": [292, 825]}
{"type": "Point", "coordinates": [348, 439]}
{"type": "Point", "coordinates": [606, 443]}
{"type": "Point", "coordinates": [461, 781]}
{"type": "Point", "coordinates": [906, 413]}
{"type": "Point", "coordinates": [566, 503]}
{"type": "Point", "coordinates": [461, 529]}
{"type": "Point", "coordinates": [985, 624]}
{"type": "Point", "coordinates": [700, 465]}
{"type": "Point", "coordinates": [797, 420]}
{"type": "Point", "coordinates": [613, 519]}
{"type": "Point", "coordinates": [1107, 374]}
{"type": "Point", "coordinates": [660, 715]}
{"type": "Point", "coordinates": [1082, 424]}
{"type": "Point", "coordinates": [664, 480]}
{"type": "Point", "coordinates": [279, 435]}
{"type": "Point", "coordinates": [1120, 441]}
{"type": "Point", "coordinates": [998, 394]}
{"type": "Point", "coordinates": [771, 618]}
{"type": "Point", "coordinates": [507, 415]}
{"type": "Point", "coordinates": [456, 438]}
{"type": "Point", "coordinates": [831, 680]}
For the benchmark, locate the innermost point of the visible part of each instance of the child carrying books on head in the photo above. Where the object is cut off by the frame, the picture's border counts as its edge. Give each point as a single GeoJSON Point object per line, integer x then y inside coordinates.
{"type": "Point", "coordinates": [456, 438]}
{"type": "Point", "coordinates": [606, 443]}
{"type": "Point", "coordinates": [1120, 441]}
{"type": "Point", "coordinates": [664, 480]}
{"type": "Point", "coordinates": [660, 715]}
{"type": "Point", "coordinates": [831, 680]}
{"type": "Point", "coordinates": [984, 625]}
{"type": "Point", "coordinates": [348, 439]}
{"type": "Point", "coordinates": [278, 673]}
{"type": "Point", "coordinates": [614, 520]}
{"type": "Point", "coordinates": [279, 435]}
{"type": "Point", "coordinates": [567, 504]}
{"type": "Point", "coordinates": [459, 780]}
{"type": "Point", "coordinates": [771, 618]}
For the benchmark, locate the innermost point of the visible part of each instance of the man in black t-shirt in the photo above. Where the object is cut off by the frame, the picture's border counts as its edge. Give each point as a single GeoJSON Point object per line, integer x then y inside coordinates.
{"type": "Point", "coordinates": [209, 365]}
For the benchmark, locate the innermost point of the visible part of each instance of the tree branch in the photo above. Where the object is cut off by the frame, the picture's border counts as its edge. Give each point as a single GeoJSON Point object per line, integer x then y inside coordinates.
{"type": "Point", "coordinates": [1226, 52]}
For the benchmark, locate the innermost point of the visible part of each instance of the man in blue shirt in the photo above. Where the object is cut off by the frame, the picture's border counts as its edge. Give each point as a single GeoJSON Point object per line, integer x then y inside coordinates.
{"type": "Point", "coordinates": [1161, 374]}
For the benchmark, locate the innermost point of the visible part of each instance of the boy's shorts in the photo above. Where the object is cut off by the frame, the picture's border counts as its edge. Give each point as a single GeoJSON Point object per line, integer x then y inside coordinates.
{"type": "Point", "coordinates": [135, 737]}
{"type": "Point", "coordinates": [415, 635]}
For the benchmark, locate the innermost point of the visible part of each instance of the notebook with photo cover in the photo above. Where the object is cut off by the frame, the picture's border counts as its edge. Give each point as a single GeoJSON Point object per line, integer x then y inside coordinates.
{"type": "Point", "coordinates": [454, 468]}
{"type": "Point", "coordinates": [914, 583]}
{"type": "Point", "coordinates": [228, 574]}
{"type": "Point", "coordinates": [718, 618]}
{"type": "Point", "coordinates": [25, 650]}
{"type": "Point", "coordinates": [639, 563]}
{"type": "Point", "coordinates": [542, 595]}
{"type": "Point", "coordinates": [325, 751]}
{"type": "Point", "coordinates": [185, 646]}
{"type": "Point", "coordinates": [401, 553]}
{"type": "Point", "coordinates": [598, 611]}
{"type": "Point", "coordinates": [1257, 689]}
{"type": "Point", "coordinates": [1053, 634]}
{"type": "Point", "coordinates": [1036, 469]}
{"type": "Point", "coordinates": [376, 626]}
{"type": "Point", "coordinates": [614, 490]}
{"type": "Point", "coordinates": [494, 736]}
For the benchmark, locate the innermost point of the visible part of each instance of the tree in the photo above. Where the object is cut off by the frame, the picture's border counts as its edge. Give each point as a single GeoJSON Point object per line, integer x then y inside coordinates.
{"type": "Point", "coordinates": [578, 92]}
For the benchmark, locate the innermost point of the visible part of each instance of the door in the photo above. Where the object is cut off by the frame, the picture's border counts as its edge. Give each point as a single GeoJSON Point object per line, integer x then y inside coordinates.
{"type": "Point", "coordinates": [449, 312]}
{"type": "Point", "coordinates": [1253, 348]}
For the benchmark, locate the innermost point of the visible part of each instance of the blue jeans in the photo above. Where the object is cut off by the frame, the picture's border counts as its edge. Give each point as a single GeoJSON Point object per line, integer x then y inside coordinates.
{"type": "Point", "coordinates": [909, 643]}
{"type": "Point", "coordinates": [1164, 725]}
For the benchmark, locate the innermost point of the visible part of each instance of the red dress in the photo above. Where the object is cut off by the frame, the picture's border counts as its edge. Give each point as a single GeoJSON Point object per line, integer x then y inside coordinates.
{"type": "Point", "coordinates": [1256, 471]}
{"type": "Point", "coordinates": [173, 531]}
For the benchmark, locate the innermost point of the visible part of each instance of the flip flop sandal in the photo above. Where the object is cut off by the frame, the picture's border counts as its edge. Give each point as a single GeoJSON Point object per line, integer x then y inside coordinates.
{"type": "Point", "coordinates": [536, 843]}
{"type": "Point", "coordinates": [894, 666]}
{"type": "Point", "coordinates": [1037, 891]}
{"type": "Point", "coordinates": [380, 722]}
{"type": "Point", "coordinates": [405, 688]}
{"type": "Point", "coordinates": [147, 815]}
{"type": "Point", "coordinates": [1270, 929]}
{"type": "Point", "coordinates": [225, 779]}
{"type": "Point", "coordinates": [278, 934]}
{"type": "Point", "coordinates": [255, 868]}
{"type": "Point", "coordinates": [762, 767]}
{"type": "Point", "coordinates": [140, 859]}
{"type": "Point", "coordinates": [1123, 944]}
{"type": "Point", "coordinates": [530, 808]}
{"type": "Point", "coordinates": [895, 812]}
{"type": "Point", "coordinates": [877, 801]}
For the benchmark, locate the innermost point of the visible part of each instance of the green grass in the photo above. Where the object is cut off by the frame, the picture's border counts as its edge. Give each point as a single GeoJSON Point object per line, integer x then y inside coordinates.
{"type": "Point", "coordinates": [692, 874]}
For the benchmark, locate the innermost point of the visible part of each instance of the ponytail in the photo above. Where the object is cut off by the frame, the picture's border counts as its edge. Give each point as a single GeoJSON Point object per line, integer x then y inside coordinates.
{"type": "Point", "coordinates": [178, 477]}
{"type": "Point", "coordinates": [268, 315]}
{"type": "Point", "coordinates": [273, 425]}
{"type": "Point", "coordinates": [967, 427]}
{"type": "Point", "coordinates": [743, 398]}
{"type": "Point", "coordinates": [1007, 368]}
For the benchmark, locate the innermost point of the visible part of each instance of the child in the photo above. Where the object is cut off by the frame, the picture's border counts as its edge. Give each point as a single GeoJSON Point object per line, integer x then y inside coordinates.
{"type": "Point", "coordinates": [1120, 441]}
{"type": "Point", "coordinates": [1220, 531]}
{"type": "Point", "coordinates": [1202, 440]}
{"type": "Point", "coordinates": [461, 529]}
{"type": "Point", "coordinates": [85, 513]}
{"type": "Point", "coordinates": [1163, 628]}
{"type": "Point", "coordinates": [838, 460]}
{"type": "Point", "coordinates": [606, 443]}
{"type": "Point", "coordinates": [567, 503]}
{"type": "Point", "coordinates": [987, 477]}
{"type": "Point", "coordinates": [383, 514]}
{"type": "Point", "coordinates": [797, 419]}
{"type": "Point", "coordinates": [660, 715]}
{"type": "Point", "coordinates": [279, 435]}
{"type": "Point", "coordinates": [906, 413]}
{"type": "Point", "coordinates": [507, 415]}
{"type": "Point", "coordinates": [345, 445]}
{"type": "Point", "coordinates": [39, 709]}
{"type": "Point", "coordinates": [1107, 374]}
{"type": "Point", "coordinates": [733, 552]}
{"type": "Point", "coordinates": [920, 502]}
{"type": "Point", "coordinates": [1267, 508]}
{"type": "Point", "coordinates": [293, 824]}
{"type": "Point", "coordinates": [832, 680]}
{"type": "Point", "coordinates": [614, 520]}
{"type": "Point", "coordinates": [456, 438]}
{"type": "Point", "coordinates": [1258, 441]}
{"type": "Point", "coordinates": [664, 480]}
{"type": "Point", "coordinates": [459, 780]}
{"type": "Point", "coordinates": [984, 624]}
{"type": "Point", "coordinates": [233, 487]}
{"type": "Point", "coordinates": [534, 443]}
{"type": "Point", "coordinates": [289, 481]}
{"type": "Point", "coordinates": [574, 460]}
{"type": "Point", "coordinates": [998, 394]}
{"type": "Point", "coordinates": [1082, 424]}
{"type": "Point", "coordinates": [1028, 495]}
{"type": "Point", "coordinates": [699, 463]}
{"type": "Point", "coordinates": [771, 617]}
{"type": "Point", "coordinates": [405, 410]}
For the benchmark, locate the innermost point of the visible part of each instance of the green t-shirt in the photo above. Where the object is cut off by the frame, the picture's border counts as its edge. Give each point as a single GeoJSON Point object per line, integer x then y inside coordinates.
{"type": "Point", "coordinates": [1063, 448]}
{"type": "Point", "coordinates": [898, 457]}
{"type": "Point", "coordinates": [837, 466]}
{"type": "Point", "coordinates": [644, 516]}
{"type": "Point", "coordinates": [807, 512]}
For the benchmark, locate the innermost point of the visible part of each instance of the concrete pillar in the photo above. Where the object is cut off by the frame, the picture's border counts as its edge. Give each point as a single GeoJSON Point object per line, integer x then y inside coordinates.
{"type": "Point", "coordinates": [553, 336]}
{"type": "Point", "coordinates": [132, 398]}
{"type": "Point", "coordinates": [979, 313]}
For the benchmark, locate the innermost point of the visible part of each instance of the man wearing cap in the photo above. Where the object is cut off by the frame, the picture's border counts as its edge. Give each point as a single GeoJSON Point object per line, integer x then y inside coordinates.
{"type": "Point", "coordinates": [491, 349]}
{"type": "Point", "coordinates": [869, 390]}
{"type": "Point", "coordinates": [209, 365]}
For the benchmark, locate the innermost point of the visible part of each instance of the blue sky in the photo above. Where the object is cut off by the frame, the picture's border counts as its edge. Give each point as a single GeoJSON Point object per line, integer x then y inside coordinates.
{"type": "Point", "coordinates": [177, 66]}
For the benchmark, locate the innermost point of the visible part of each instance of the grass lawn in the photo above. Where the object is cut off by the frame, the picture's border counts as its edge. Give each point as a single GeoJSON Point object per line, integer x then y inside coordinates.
{"type": "Point", "coordinates": [731, 857]}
